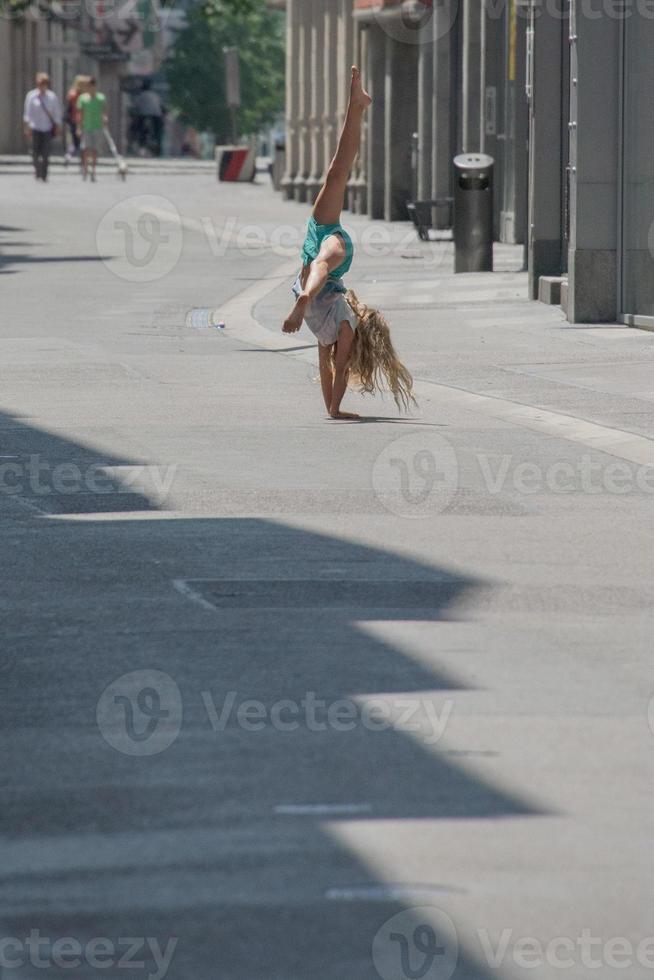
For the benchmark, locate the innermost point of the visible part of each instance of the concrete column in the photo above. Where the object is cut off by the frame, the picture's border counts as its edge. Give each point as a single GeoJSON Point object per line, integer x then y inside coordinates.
{"type": "Point", "coordinates": [330, 81]}
{"type": "Point", "coordinates": [471, 75]}
{"type": "Point", "coordinates": [443, 105]}
{"type": "Point", "coordinates": [344, 54]}
{"type": "Point", "coordinates": [401, 83]}
{"type": "Point", "coordinates": [594, 158]}
{"type": "Point", "coordinates": [304, 108]}
{"type": "Point", "coordinates": [545, 128]}
{"type": "Point", "coordinates": [292, 96]}
{"type": "Point", "coordinates": [314, 182]}
{"type": "Point", "coordinates": [346, 60]}
{"type": "Point", "coordinates": [425, 117]}
{"type": "Point", "coordinates": [361, 192]}
{"type": "Point", "coordinates": [492, 96]}
{"type": "Point", "coordinates": [513, 216]}
{"type": "Point", "coordinates": [353, 183]}
{"type": "Point", "coordinates": [376, 142]}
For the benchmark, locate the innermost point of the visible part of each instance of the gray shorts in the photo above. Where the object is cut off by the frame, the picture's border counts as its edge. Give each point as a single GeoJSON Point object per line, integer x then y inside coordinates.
{"type": "Point", "coordinates": [327, 312]}
{"type": "Point", "coordinates": [93, 139]}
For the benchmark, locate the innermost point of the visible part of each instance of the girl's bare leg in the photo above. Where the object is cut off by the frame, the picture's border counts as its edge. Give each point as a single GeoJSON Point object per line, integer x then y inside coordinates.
{"type": "Point", "coordinates": [329, 203]}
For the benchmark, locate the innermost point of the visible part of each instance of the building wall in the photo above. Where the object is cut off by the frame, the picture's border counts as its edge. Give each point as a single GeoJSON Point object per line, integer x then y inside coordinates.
{"type": "Point", "coordinates": [430, 68]}
{"type": "Point", "coordinates": [18, 65]}
{"type": "Point", "coordinates": [29, 45]}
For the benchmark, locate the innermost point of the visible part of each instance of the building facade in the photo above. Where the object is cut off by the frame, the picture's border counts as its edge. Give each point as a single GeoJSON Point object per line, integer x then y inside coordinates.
{"type": "Point", "coordinates": [28, 45]}
{"type": "Point", "coordinates": [446, 76]}
{"type": "Point", "coordinates": [112, 48]}
{"type": "Point", "coordinates": [592, 156]}
{"type": "Point", "coordinates": [557, 91]}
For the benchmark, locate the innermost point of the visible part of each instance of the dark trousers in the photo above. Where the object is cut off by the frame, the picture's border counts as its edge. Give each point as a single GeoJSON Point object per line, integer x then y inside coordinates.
{"type": "Point", "coordinates": [76, 141]}
{"type": "Point", "coordinates": [41, 152]}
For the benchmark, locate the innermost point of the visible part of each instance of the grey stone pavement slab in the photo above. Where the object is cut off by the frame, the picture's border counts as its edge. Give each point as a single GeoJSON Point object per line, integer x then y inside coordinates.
{"type": "Point", "coordinates": [291, 698]}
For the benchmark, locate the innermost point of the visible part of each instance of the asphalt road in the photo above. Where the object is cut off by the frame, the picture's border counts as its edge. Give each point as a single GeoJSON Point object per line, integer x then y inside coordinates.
{"type": "Point", "coordinates": [289, 699]}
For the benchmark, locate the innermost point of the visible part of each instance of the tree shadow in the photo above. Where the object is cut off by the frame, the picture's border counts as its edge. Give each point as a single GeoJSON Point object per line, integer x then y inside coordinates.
{"type": "Point", "coordinates": [197, 841]}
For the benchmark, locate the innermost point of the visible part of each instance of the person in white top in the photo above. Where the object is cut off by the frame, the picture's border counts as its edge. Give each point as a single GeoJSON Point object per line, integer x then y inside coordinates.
{"type": "Point", "coordinates": [41, 119]}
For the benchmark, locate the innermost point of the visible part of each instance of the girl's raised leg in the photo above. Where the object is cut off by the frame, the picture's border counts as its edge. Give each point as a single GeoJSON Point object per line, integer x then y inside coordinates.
{"type": "Point", "coordinates": [330, 200]}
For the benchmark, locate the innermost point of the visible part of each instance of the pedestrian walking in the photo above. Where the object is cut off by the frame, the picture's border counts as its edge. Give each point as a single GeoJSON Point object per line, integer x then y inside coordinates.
{"type": "Point", "coordinates": [354, 340]}
{"type": "Point", "coordinates": [91, 120]}
{"type": "Point", "coordinates": [41, 121]}
{"type": "Point", "coordinates": [150, 115]}
{"type": "Point", "coordinates": [79, 86]}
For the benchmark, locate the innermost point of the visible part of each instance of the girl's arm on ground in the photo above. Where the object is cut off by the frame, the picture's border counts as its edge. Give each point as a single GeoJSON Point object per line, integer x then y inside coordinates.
{"type": "Point", "coordinates": [331, 255]}
{"type": "Point", "coordinates": [341, 371]}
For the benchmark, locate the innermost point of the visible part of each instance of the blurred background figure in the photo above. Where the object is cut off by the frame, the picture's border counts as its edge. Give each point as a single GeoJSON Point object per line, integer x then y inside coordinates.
{"type": "Point", "coordinates": [148, 119]}
{"type": "Point", "coordinates": [79, 86]}
{"type": "Point", "coordinates": [41, 122]}
{"type": "Point", "coordinates": [91, 120]}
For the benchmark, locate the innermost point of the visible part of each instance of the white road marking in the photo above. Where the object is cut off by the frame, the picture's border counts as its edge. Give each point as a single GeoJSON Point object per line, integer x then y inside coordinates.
{"type": "Point", "coordinates": [185, 589]}
{"type": "Point", "coordinates": [385, 893]}
{"type": "Point", "coordinates": [320, 809]}
{"type": "Point", "coordinates": [31, 506]}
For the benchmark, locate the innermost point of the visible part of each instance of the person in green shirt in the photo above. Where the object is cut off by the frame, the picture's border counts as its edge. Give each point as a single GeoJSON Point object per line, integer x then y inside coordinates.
{"type": "Point", "coordinates": [91, 120]}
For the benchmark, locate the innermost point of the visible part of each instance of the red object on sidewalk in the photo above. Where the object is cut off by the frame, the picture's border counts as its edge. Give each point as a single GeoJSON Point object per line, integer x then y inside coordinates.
{"type": "Point", "coordinates": [236, 163]}
{"type": "Point", "coordinates": [232, 164]}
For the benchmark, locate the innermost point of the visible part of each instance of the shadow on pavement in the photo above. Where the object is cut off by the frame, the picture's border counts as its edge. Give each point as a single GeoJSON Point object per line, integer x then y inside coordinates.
{"type": "Point", "coordinates": [186, 824]}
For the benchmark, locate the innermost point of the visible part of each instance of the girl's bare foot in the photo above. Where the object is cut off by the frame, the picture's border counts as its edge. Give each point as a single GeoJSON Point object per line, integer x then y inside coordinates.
{"type": "Point", "coordinates": [358, 95]}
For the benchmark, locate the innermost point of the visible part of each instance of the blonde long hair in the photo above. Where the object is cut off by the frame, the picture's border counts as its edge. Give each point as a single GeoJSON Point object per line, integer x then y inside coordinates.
{"type": "Point", "coordinates": [373, 363]}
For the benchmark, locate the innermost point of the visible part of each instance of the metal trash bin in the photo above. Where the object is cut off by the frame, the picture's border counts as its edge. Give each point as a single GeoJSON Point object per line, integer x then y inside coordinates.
{"type": "Point", "coordinates": [278, 165]}
{"type": "Point", "coordinates": [473, 213]}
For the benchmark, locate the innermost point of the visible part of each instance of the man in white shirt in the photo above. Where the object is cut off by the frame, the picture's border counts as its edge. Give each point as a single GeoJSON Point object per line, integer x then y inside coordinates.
{"type": "Point", "coordinates": [42, 119]}
{"type": "Point", "coordinates": [150, 113]}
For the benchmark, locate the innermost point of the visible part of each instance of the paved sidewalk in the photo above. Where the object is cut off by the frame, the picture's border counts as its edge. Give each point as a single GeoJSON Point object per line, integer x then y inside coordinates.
{"type": "Point", "coordinates": [15, 165]}
{"type": "Point", "coordinates": [194, 556]}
